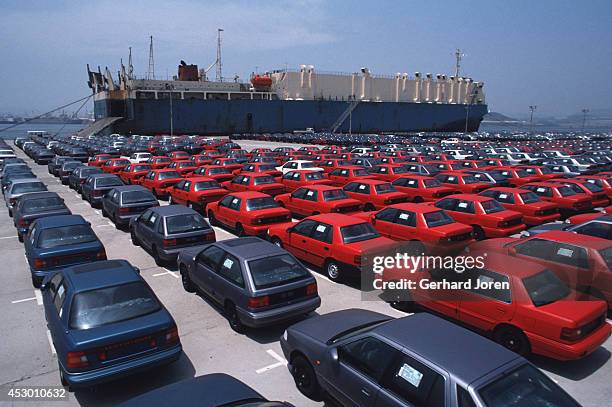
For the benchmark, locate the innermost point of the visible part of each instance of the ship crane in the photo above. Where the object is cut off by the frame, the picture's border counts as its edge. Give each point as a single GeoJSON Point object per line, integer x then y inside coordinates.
{"type": "Point", "coordinates": [217, 61]}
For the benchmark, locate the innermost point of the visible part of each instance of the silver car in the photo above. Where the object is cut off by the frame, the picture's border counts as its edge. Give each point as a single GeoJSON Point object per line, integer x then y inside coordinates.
{"type": "Point", "coordinates": [19, 187]}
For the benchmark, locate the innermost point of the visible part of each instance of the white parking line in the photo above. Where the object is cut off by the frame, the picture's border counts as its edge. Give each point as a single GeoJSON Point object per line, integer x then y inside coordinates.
{"type": "Point", "coordinates": [23, 300]}
{"type": "Point", "coordinates": [103, 226]}
{"type": "Point", "coordinates": [50, 342]}
{"type": "Point", "coordinates": [167, 272]}
{"type": "Point", "coordinates": [110, 223]}
{"type": "Point", "coordinates": [38, 297]}
{"type": "Point", "coordinates": [7, 237]}
{"type": "Point", "coordinates": [276, 356]}
{"type": "Point", "coordinates": [281, 362]}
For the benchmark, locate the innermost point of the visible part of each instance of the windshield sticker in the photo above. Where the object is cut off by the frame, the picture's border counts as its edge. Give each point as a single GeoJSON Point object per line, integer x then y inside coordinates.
{"type": "Point", "coordinates": [565, 252]}
{"type": "Point", "coordinates": [410, 374]}
{"type": "Point", "coordinates": [228, 263]}
{"type": "Point", "coordinates": [321, 228]}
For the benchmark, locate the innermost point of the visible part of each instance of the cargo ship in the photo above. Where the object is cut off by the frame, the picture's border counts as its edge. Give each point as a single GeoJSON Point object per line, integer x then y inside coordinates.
{"type": "Point", "coordinates": [281, 101]}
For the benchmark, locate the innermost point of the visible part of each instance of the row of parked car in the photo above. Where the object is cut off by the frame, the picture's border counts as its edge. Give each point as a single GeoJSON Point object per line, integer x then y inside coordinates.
{"type": "Point", "coordinates": [335, 239]}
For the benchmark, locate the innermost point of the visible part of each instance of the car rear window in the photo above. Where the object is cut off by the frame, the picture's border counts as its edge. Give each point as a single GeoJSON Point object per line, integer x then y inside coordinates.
{"type": "Point", "coordinates": [131, 197]}
{"type": "Point", "coordinates": [66, 236]}
{"type": "Point", "coordinates": [71, 165]}
{"type": "Point", "coordinates": [469, 179]}
{"type": "Point", "coordinates": [36, 205]}
{"type": "Point", "coordinates": [204, 185]}
{"type": "Point", "coordinates": [431, 183]}
{"type": "Point", "coordinates": [438, 218]}
{"type": "Point", "coordinates": [26, 187]}
{"type": "Point", "coordinates": [276, 270]}
{"type": "Point", "coordinates": [108, 182]}
{"type": "Point", "coordinates": [334, 195]}
{"type": "Point", "coordinates": [358, 233]}
{"type": "Point", "coordinates": [592, 187]}
{"type": "Point", "coordinates": [491, 206]}
{"type": "Point", "coordinates": [314, 175]}
{"type": "Point", "coordinates": [566, 191]}
{"type": "Point", "coordinates": [545, 287]}
{"type": "Point", "coordinates": [185, 223]}
{"type": "Point", "coordinates": [87, 171]}
{"type": "Point", "coordinates": [255, 204]}
{"type": "Point", "coordinates": [168, 174]}
{"type": "Point", "coordinates": [105, 306]}
{"type": "Point", "coordinates": [534, 387]}
{"type": "Point", "coordinates": [384, 188]}
{"type": "Point", "coordinates": [529, 197]}
{"type": "Point", "coordinates": [263, 180]}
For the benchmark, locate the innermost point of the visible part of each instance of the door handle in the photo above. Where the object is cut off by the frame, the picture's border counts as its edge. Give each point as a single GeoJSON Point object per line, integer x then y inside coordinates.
{"type": "Point", "coordinates": [500, 309]}
{"type": "Point", "coordinates": [326, 248]}
{"type": "Point", "coordinates": [365, 392]}
{"type": "Point", "coordinates": [303, 241]}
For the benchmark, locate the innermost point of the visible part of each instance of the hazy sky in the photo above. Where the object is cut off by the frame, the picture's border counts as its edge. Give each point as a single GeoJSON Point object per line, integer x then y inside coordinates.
{"type": "Point", "coordinates": [556, 54]}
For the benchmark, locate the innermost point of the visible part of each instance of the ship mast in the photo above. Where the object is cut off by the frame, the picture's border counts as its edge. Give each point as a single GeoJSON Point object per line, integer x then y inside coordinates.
{"type": "Point", "coordinates": [130, 66]}
{"type": "Point", "coordinates": [151, 72]}
{"type": "Point", "coordinates": [219, 77]}
{"type": "Point", "coordinates": [458, 56]}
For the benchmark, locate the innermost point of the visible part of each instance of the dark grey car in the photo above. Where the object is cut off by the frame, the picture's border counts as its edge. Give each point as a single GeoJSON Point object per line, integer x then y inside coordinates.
{"type": "Point", "coordinates": [599, 227]}
{"type": "Point", "coordinates": [363, 358]}
{"type": "Point", "coordinates": [167, 230]}
{"type": "Point", "coordinates": [66, 169]}
{"type": "Point", "coordinates": [256, 282]}
{"type": "Point", "coordinates": [55, 164]}
{"type": "Point", "coordinates": [121, 204]}
{"type": "Point", "coordinates": [30, 207]}
{"type": "Point", "coordinates": [80, 174]}
{"type": "Point", "coordinates": [97, 185]}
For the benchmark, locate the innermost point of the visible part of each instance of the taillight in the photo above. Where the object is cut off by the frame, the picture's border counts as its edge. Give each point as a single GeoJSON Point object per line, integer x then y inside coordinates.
{"type": "Point", "coordinates": [311, 289]}
{"type": "Point", "coordinates": [76, 360]}
{"type": "Point", "coordinates": [357, 259]}
{"type": "Point", "coordinates": [97, 192]}
{"type": "Point", "coordinates": [101, 255]}
{"type": "Point", "coordinates": [210, 236]}
{"type": "Point", "coordinates": [123, 211]}
{"type": "Point", "coordinates": [172, 336]}
{"type": "Point", "coordinates": [169, 242]}
{"type": "Point", "coordinates": [571, 334]}
{"type": "Point", "coordinates": [258, 302]}
{"type": "Point", "coordinates": [23, 223]}
{"type": "Point", "coordinates": [12, 201]}
{"type": "Point", "coordinates": [39, 264]}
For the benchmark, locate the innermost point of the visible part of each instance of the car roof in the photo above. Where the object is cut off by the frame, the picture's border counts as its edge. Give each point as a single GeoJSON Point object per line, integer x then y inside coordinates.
{"type": "Point", "coordinates": [169, 210]}
{"type": "Point", "coordinates": [592, 242]}
{"type": "Point", "coordinates": [59, 221]}
{"type": "Point", "coordinates": [466, 355]}
{"type": "Point", "coordinates": [414, 207]}
{"type": "Point", "coordinates": [508, 190]}
{"type": "Point", "coordinates": [25, 180]}
{"type": "Point", "coordinates": [469, 197]}
{"type": "Point", "coordinates": [39, 195]}
{"type": "Point", "coordinates": [128, 188]}
{"type": "Point", "coordinates": [372, 181]}
{"type": "Point", "coordinates": [337, 219]}
{"type": "Point", "coordinates": [321, 187]}
{"type": "Point", "coordinates": [99, 274]}
{"type": "Point", "coordinates": [248, 194]}
{"type": "Point", "coordinates": [250, 247]}
{"type": "Point", "coordinates": [103, 175]}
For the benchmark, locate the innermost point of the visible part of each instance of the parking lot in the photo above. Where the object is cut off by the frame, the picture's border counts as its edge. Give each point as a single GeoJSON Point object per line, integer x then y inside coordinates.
{"type": "Point", "coordinates": [208, 342]}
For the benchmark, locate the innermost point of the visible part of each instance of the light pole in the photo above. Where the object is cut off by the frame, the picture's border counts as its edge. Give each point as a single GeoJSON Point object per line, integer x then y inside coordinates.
{"type": "Point", "coordinates": [531, 108]}
{"type": "Point", "coordinates": [584, 115]}
{"type": "Point", "coordinates": [170, 88]}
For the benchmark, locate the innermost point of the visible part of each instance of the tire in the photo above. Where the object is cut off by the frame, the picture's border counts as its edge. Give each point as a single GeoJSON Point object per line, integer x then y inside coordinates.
{"type": "Point", "coordinates": [332, 270]}
{"type": "Point", "coordinates": [513, 339]}
{"type": "Point", "coordinates": [156, 257]}
{"type": "Point", "coordinates": [479, 234]}
{"type": "Point", "coordinates": [277, 242]}
{"type": "Point", "coordinates": [305, 378]}
{"type": "Point", "coordinates": [232, 317]}
{"type": "Point", "coordinates": [240, 230]}
{"type": "Point", "coordinates": [211, 219]}
{"type": "Point", "coordinates": [135, 241]}
{"type": "Point", "coordinates": [186, 280]}
{"type": "Point", "coordinates": [36, 283]}
{"type": "Point", "coordinates": [63, 380]}
{"type": "Point", "coordinates": [20, 237]}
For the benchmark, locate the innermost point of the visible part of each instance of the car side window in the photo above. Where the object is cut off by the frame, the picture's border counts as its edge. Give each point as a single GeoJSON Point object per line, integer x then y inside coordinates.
{"type": "Point", "coordinates": [415, 382]}
{"type": "Point", "coordinates": [151, 221]}
{"type": "Point", "coordinates": [54, 283]}
{"type": "Point", "coordinates": [411, 183]}
{"type": "Point", "coordinates": [235, 204]}
{"type": "Point", "coordinates": [464, 399]}
{"type": "Point", "coordinates": [482, 278]}
{"type": "Point", "coordinates": [145, 216]}
{"type": "Point", "coordinates": [369, 356]}
{"type": "Point", "coordinates": [310, 195]}
{"type": "Point", "coordinates": [299, 193]}
{"type": "Point", "coordinates": [335, 172]}
{"type": "Point", "coordinates": [351, 186]}
{"type": "Point", "coordinates": [538, 248]}
{"type": "Point", "coordinates": [305, 227]}
{"type": "Point", "coordinates": [230, 269]}
{"type": "Point", "coordinates": [407, 218]}
{"type": "Point", "coordinates": [288, 175]}
{"type": "Point", "coordinates": [448, 204]}
{"type": "Point", "coordinates": [210, 257]}
{"type": "Point", "coordinates": [490, 193]}
{"type": "Point", "coordinates": [505, 197]}
{"type": "Point", "coordinates": [386, 215]}
{"type": "Point", "coordinates": [323, 232]}
{"type": "Point", "coordinates": [180, 185]}
{"type": "Point", "coordinates": [465, 207]}
{"type": "Point", "coordinates": [60, 296]}
{"type": "Point", "coordinates": [363, 189]}
{"type": "Point", "coordinates": [238, 179]}
{"type": "Point", "coordinates": [226, 201]}
{"type": "Point", "coordinates": [115, 197]}
{"type": "Point", "coordinates": [186, 186]}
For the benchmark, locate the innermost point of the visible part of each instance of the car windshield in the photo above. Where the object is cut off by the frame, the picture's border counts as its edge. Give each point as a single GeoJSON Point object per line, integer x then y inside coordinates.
{"type": "Point", "coordinates": [168, 174]}
{"type": "Point", "coordinates": [255, 204]}
{"type": "Point", "coordinates": [606, 255]}
{"type": "Point", "coordinates": [42, 204]}
{"type": "Point", "coordinates": [276, 270]}
{"type": "Point", "coordinates": [25, 187]}
{"type": "Point", "coordinates": [592, 187]}
{"type": "Point", "coordinates": [431, 183]}
{"type": "Point", "coordinates": [491, 206]}
{"type": "Point", "coordinates": [525, 386]}
{"type": "Point", "coordinates": [545, 287]}
{"type": "Point", "coordinates": [358, 233]}
{"type": "Point", "coordinates": [108, 182]}
{"type": "Point", "coordinates": [132, 197]}
{"type": "Point", "coordinates": [263, 180]}
{"type": "Point", "coordinates": [438, 218]}
{"type": "Point", "coordinates": [204, 185]}
{"type": "Point", "coordinates": [529, 197]}
{"type": "Point", "coordinates": [314, 175]}
{"type": "Point", "coordinates": [71, 165]}
{"type": "Point", "coordinates": [105, 306]}
{"type": "Point", "coordinates": [65, 236]}
{"type": "Point", "coordinates": [566, 191]}
{"type": "Point", "coordinates": [384, 188]}
{"type": "Point", "coordinates": [185, 223]}
{"type": "Point", "coordinates": [334, 195]}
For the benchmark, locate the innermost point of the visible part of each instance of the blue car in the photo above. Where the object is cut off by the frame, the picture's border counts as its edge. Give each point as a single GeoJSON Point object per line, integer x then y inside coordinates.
{"type": "Point", "coordinates": [106, 323]}
{"type": "Point", "coordinates": [56, 242]}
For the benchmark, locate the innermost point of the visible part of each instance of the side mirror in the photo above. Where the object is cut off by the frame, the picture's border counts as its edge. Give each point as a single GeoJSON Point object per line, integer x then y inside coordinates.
{"type": "Point", "coordinates": [290, 230]}
{"type": "Point", "coordinates": [137, 270]}
{"type": "Point", "coordinates": [333, 355]}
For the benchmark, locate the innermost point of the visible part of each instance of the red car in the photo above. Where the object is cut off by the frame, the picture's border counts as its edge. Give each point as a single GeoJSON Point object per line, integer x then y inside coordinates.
{"type": "Point", "coordinates": [331, 164]}
{"type": "Point", "coordinates": [462, 182]}
{"type": "Point", "coordinates": [229, 163]}
{"type": "Point", "coordinates": [196, 192]}
{"type": "Point", "coordinates": [598, 196]}
{"type": "Point", "coordinates": [345, 174]}
{"type": "Point", "coordinates": [253, 181]}
{"type": "Point", "coordinates": [517, 176]}
{"type": "Point", "coordinates": [134, 173]}
{"type": "Point", "coordinates": [534, 210]}
{"type": "Point", "coordinates": [179, 156]}
{"type": "Point", "coordinates": [585, 217]}
{"type": "Point", "coordinates": [335, 242]}
{"type": "Point", "coordinates": [603, 181]}
{"type": "Point", "coordinates": [568, 201]}
{"type": "Point", "coordinates": [216, 172]}
{"type": "Point", "coordinates": [201, 159]}
{"type": "Point", "coordinates": [374, 193]}
{"type": "Point", "coordinates": [433, 229]}
{"type": "Point", "coordinates": [160, 182]}
{"type": "Point", "coordinates": [582, 261]}
{"type": "Point", "coordinates": [527, 308]}
{"type": "Point", "coordinates": [99, 159]}
{"type": "Point", "coordinates": [247, 213]}
{"type": "Point", "coordinates": [114, 165]}
{"type": "Point", "coordinates": [316, 199]}
{"type": "Point", "coordinates": [389, 172]}
{"type": "Point", "coordinates": [543, 173]}
{"type": "Point", "coordinates": [421, 188]}
{"type": "Point", "coordinates": [300, 178]}
{"type": "Point", "coordinates": [185, 168]}
{"type": "Point", "coordinates": [262, 168]}
{"type": "Point", "coordinates": [159, 162]}
{"type": "Point", "coordinates": [487, 217]}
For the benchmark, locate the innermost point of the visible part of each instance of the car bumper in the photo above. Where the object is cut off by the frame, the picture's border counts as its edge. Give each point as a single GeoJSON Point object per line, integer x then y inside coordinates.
{"type": "Point", "coordinates": [278, 315]}
{"type": "Point", "coordinates": [538, 220]}
{"type": "Point", "coordinates": [258, 230]}
{"type": "Point", "coordinates": [562, 351]}
{"type": "Point", "coordinates": [105, 374]}
{"type": "Point", "coordinates": [503, 232]}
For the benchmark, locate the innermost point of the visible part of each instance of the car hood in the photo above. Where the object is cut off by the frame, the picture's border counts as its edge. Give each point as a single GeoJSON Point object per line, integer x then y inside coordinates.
{"type": "Point", "coordinates": [324, 328]}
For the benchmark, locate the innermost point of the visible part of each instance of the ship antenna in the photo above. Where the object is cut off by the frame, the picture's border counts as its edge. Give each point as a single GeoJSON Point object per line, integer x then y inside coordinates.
{"type": "Point", "coordinates": [219, 73]}
{"type": "Point", "coordinates": [130, 66]}
{"type": "Point", "coordinates": [151, 72]}
{"type": "Point", "coordinates": [458, 56]}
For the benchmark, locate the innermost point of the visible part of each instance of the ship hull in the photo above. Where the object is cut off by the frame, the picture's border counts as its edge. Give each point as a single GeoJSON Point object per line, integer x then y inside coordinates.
{"type": "Point", "coordinates": [214, 117]}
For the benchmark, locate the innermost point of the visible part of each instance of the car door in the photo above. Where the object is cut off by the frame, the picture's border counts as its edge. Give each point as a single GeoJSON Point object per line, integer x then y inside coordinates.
{"type": "Point", "coordinates": [296, 238]}
{"type": "Point", "coordinates": [147, 229]}
{"type": "Point", "coordinates": [361, 366]}
{"type": "Point", "coordinates": [184, 191]}
{"type": "Point", "coordinates": [205, 266]}
{"type": "Point", "coordinates": [54, 311]}
{"type": "Point", "coordinates": [297, 202]}
{"type": "Point", "coordinates": [223, 208]}
{"type": "Point", "coordinates": [113, 203]}
{"type": "Point", "coordinates": [384, 222]}
{"type": "Point", "coordinates": [177, 193]}
{"type": "Point", "coordinates": [405, 226]}
{"type": "Point", "coordinates": [228, 280]}
{"type": "Point", "coordinates": [318, 246]}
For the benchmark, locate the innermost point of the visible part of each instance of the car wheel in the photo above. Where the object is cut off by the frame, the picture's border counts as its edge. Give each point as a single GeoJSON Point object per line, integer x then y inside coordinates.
{"type": "Point", "coordinates": [240, 230]}
{"type": "Point", "coordinates": [186, 280]}
{"type": "Point", "coordinates": [305, 378]}
{"type": "Point", "coordinates": [211, 219]}
{"type": "Point", "coordinates": [479, 234]}
{"type": "Point", "coordinates": [135, 241]}
{"type": "Point", "coordinates": [36, 283]}
{"type": "Point", "coordinates": [277, 242]}
{"type": "Point", "coordinates": [156, 257]}
{"type": "Point", "coordinates": [513, 339]}
{"type": "Point", "coordinates": [20, 237]}
{"type": "Point", "coordinates": [234, 320]}
{"type": "Point", "coordinates": [63, 380]}
{"type": "Point", "coordinates": [332, 269]}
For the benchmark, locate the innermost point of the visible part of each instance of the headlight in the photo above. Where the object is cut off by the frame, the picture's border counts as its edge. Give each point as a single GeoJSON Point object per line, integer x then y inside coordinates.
{"type": "Point", "coordinates": [285, 335]}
